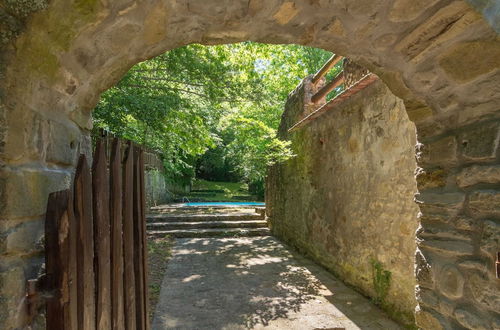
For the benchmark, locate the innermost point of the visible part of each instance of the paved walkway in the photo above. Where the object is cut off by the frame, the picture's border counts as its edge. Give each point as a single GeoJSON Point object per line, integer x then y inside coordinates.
{"type": "Point", "coordinates": [256, 283]}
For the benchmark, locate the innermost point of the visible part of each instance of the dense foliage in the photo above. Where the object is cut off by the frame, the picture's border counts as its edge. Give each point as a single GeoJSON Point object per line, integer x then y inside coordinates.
{"type": "Point", "coordinates": [216, 108]}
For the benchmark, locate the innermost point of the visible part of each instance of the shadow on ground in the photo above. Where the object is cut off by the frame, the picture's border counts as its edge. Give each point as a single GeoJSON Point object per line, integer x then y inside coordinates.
{"type": "Point", "coordinates": [253, 283]}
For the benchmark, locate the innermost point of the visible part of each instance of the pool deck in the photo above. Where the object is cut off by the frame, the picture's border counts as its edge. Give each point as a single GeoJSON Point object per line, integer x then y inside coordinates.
{"type": "Point", "coordinates": [206, 206]}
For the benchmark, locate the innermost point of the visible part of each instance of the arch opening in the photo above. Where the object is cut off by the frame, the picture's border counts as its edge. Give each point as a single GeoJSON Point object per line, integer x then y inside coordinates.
{"type": "Point", "coordinates": [377, 111]}
{"type": "Point", "coordinates": [440, 57]}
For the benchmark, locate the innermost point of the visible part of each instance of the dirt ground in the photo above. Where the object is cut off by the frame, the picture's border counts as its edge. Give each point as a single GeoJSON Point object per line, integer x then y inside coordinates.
{"type": "Point", "coordinates": [256, 283]}
{"type": "Point", "coordinates": [159, 253]}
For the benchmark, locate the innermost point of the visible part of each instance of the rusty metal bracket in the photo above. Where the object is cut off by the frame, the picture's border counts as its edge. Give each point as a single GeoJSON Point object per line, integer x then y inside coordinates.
{"type": "Point", "coordinates": [498, 265]}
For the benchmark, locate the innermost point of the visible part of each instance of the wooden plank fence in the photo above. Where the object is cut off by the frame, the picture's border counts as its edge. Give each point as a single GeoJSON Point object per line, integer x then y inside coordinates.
{"type": "Point", "coordinates": [96, 251]}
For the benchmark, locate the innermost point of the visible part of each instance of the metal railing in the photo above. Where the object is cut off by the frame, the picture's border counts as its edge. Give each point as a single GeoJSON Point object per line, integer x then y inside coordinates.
{"type": "Point", "coordinates": [329, 86]}
{"type": "Point", "coordinates": [319, 98]}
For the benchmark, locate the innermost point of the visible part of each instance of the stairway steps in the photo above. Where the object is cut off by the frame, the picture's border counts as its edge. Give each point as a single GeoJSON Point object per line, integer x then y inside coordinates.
{"type": "Point", "coordinates": [203, 217]}
{"type": "Point", "coordinates": [212, 232]}
{"type": "Point", "coordinates": [207, 224]}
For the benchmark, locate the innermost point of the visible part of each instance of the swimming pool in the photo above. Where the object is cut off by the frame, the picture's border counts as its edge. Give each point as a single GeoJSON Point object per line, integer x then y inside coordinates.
{"type": "Point", "coordinates": [225, 204]}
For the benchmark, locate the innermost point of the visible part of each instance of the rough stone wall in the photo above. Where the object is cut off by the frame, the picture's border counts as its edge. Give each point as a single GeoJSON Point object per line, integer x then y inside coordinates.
{"type": "Point", "coordinates": [459, 235]}
{"type": "Point", "coordinates": [156, 188]}
{"type": "Point", "coordinates": [13, 16]}
{"type": "Point", "coordinates": [442, 57]}
{"type": "Point", "coordinates": [346, 199]}
{"type": "Point", "coordinates": [352, 72]}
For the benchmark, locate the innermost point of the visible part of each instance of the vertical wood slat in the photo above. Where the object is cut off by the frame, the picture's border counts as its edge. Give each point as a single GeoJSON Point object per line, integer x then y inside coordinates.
{"type": "Point", "coordinates": [85, 245]}
{"type": "Point", "coordinates": [73, 263]}
{"type": "Point", "coordinates": [102, 259]}
{"type": "Point", "coordinates": [117, 302]}
{"type": "Point", "coordinates": [59, 224]}
{"type": "Point", "coordinates": [128, 239]}
{"type": "Point", "coordinates": [139, 244]}
{"type": "Point", "coordinates": [96, 245]}
{"type": "Point", "coordinates": [144, 238]}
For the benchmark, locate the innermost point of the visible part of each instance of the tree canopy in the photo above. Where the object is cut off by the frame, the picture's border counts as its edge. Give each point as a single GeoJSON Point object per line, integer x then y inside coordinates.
{"type": "Point", "coordinates": [210, 106]}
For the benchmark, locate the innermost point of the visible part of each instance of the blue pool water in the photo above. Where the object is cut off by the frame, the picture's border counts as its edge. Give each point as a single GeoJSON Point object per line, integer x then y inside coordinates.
{"type": "Point", "coordinates": [225, 203]}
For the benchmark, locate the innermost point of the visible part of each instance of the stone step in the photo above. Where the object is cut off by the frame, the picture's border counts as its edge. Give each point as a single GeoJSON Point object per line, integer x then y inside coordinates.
{"type": "Point", "coordinates": [180, 207]}
{"type": "Point", "coordinates": [203, 217]}
{"type": "Point", "coordinates": [212, 232]}
{"type": "Point", "coordinates": [207, 224]}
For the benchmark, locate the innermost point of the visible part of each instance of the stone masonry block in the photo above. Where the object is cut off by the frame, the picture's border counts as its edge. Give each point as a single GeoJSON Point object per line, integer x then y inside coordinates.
{"type": "Point", "coordinates": [484, 290]}
{"type": "Point", "coordinates": [478, 174]}
{"type": "Point", "coordinates": [427, 179]}
{"type": "Point", "coordinates": [451, 282]}
{"type": "Point", "coordinates": [471, 320]}
{"type": "Point", "coordinates": [443, 200]}
{"type": "Point", "coordinates": [447, 248]}
{"type": "Point", "coordinates": [13, 275]}
{"type": "Point", "coordinates": [63, 145]}
{"type": "Point", "coordinates": [442, 152]}
{"type": "Point", "coordinates": [26, 191]}
{"type": "Point", "coordinates": [426, 320]}
{"type": "Point", "coordinates": [465, 223]}
{"type": "Point", "coordinates": [425, 34]}
{"type": "Point", "coordinates": [27, 135]}
{"type": "Point", "coordinates": [481, 143]}
{"type": "Point", "coordinates": [485, 202]}
{"type": "Point", "coordinates": [460, 65]}
{"type": "Point", "coordinates": [423, 271]}
{"type": "Point", "coordinates": [407, 10]}
{"type": "Point", "coordinates": [21, 237]}
{"type": "Point", "coordinates": [426, 297]}
{"type": "Point", "coordinates": [490, 239]}
{"type": "Point", "coordinates": [12, 291]}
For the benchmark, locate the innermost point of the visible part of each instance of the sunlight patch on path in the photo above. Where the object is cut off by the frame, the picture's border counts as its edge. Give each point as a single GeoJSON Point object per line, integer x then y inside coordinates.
{"type": "Point", "coordinates": [256, 283]}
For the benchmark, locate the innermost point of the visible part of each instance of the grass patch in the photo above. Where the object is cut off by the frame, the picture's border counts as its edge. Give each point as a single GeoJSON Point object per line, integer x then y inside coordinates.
{"type": "Point", "coordinates": [212, 191]}
{"type": "Point", "coordinates": [381, 282]}
{"type": "Point", "coordinates": [159, 253]}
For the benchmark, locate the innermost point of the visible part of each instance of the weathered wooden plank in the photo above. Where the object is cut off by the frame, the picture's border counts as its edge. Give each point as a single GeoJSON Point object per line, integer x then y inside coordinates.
{"type": "Point", "coordinates": [73, 265]}
{"type": "Point", "coordinates": [117, 299]}
{"type": "Point", "coordinates": [128, 238]}
{"type": "Point", "coordinates": [139, 244]}
{"type": "Point", "coordinates": [57, 254]}
{"type": "Point", "coordinates": [102, 259]}
{"type": "Point", "coordinates": [85, 245]}
{"type": "Point", "coordinates": [144, 239]}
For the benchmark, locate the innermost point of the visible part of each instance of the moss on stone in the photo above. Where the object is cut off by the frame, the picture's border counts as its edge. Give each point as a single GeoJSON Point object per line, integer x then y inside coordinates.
{"type": "Point", "coordinates": [54, 33]}
{"type": "Point", "coordinates": [40, 59]}
{"type": "Point", "coordinates": [13, 16]}
{"type": "Point", "coordinates": [87, 8]}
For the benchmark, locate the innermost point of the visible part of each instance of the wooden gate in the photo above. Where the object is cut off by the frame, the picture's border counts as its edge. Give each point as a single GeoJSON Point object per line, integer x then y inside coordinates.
{"type": "Point", "coordinates": [96, 244]}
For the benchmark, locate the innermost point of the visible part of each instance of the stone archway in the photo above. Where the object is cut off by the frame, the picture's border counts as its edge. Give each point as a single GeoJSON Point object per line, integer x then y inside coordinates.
{"type": "Point", "coordinates": [441, 57]}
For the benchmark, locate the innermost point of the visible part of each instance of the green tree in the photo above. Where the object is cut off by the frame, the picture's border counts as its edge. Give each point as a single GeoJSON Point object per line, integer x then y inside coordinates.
{"type": "Point", "coordinates": [198, 98]}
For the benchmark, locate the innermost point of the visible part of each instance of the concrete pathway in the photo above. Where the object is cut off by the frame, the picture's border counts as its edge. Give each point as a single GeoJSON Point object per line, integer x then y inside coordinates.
{"type": "Point", "coordinates": [256, 283]}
